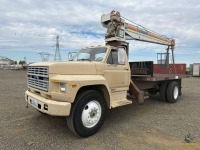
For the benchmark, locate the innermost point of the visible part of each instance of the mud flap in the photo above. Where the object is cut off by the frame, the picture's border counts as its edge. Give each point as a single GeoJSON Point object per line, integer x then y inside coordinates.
{"type": "Point", "coordinates": [134, 90]}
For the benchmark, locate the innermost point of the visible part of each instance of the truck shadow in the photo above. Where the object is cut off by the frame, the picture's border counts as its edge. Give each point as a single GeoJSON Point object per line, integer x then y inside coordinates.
{"type": "Point", "coordinates": [50, 125]}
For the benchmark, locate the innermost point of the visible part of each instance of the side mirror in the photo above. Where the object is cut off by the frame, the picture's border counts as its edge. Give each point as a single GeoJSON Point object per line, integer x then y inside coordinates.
{"type": "Point", "coordinates": [71, 55]}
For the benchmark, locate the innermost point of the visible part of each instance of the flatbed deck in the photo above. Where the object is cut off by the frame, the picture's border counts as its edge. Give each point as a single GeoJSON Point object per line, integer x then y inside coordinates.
{"type": "Point", "coordinates": [158, 77]}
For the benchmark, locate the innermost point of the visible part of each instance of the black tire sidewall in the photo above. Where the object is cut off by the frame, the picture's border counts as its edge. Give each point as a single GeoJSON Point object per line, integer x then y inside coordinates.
{"type": "Point", "coordinates": [81, 102]}
{"type": "Point", "coordinates": [163, 91]}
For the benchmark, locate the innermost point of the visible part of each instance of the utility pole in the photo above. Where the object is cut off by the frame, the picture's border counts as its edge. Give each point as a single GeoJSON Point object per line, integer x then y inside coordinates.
{"type": "Point", "coordinates": [57, 56]}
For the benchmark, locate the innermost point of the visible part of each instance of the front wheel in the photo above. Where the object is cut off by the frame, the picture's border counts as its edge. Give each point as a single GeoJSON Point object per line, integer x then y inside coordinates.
{"type": "Point", "coordinates": [87, 114]}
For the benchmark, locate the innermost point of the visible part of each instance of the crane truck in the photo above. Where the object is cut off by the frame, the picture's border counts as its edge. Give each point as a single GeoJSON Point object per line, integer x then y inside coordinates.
{"type": "Point", "coordinates": [100, 78]}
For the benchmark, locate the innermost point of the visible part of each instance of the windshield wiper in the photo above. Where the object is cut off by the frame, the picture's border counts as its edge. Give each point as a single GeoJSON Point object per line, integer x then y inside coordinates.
{"type": "Point", "coordinates": [84, 59]}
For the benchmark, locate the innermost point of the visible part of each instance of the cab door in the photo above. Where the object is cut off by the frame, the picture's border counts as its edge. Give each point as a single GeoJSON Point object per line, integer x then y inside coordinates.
{"type": "Point", "coordinates": [117, 70]}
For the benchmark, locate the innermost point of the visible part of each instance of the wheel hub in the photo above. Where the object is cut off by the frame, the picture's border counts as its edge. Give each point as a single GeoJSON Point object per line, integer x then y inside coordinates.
{"type": "Point", "coordinates": [91, 114]}
{"type": "Point", "coordinates": [176, 92]}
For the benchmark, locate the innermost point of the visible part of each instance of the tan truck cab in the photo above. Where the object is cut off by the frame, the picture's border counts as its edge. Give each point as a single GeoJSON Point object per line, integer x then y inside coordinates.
{"type": "Point", "coordinates": [54, 88]}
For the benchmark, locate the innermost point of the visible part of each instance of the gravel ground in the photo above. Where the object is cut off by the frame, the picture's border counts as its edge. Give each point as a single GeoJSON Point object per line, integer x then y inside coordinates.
{"type": "Point", "coordinates": [153, 125]}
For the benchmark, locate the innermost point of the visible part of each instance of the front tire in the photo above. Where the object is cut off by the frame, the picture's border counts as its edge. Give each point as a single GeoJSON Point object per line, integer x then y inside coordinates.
{"type": "Point", "coordinates": [173, 92]}
{"type": "Point", "coordinates": [87, 114]}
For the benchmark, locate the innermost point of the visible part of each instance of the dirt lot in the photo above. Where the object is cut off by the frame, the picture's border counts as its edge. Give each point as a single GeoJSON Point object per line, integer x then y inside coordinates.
{"type": "Point", "coordinates": [154, 125]}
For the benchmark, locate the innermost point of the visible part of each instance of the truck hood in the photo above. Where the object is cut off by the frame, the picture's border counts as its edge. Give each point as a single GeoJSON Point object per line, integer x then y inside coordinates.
{"type": "Point", "coordinates": [68, 67]}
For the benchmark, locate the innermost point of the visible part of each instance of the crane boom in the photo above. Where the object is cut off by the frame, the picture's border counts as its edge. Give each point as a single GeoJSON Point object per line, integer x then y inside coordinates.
{"type": "Point", "coordinates": [118, 29]}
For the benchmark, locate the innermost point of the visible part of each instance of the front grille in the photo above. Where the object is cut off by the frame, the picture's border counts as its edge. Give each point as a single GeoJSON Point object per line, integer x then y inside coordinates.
{"type": "Point", "coordinates": [38, 78]}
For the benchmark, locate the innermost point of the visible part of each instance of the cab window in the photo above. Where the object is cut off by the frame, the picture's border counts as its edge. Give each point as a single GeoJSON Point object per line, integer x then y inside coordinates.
{"type": "Point", "coordinates": [117, 57]}
{"type": "Point", "coordinates": [121, 55]}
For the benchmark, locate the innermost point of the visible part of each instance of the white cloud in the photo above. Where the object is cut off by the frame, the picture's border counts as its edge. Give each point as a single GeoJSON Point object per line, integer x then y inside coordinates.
{"type": "Point", "coordinates": [28, 25]}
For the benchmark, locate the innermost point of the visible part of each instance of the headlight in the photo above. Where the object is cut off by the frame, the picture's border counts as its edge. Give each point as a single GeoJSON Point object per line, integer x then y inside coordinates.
{"type": "Point", "coordinates": [63, 87]}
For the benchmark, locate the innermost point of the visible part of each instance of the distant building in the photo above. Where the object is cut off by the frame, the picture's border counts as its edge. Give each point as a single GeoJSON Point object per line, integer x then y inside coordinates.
{"type": "Point", "coordinates": [196, 70]}
{"type": "Point", "coordinates": [4, 61]}
{"type": "Point", "coordinates": [31, 63]}
{"type": "Point", "coordinates": [191, 69]}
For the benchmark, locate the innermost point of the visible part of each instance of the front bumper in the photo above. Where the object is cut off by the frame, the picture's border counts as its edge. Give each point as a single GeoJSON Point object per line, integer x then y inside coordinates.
{"type": "Point", "coordinates": [47, 106]}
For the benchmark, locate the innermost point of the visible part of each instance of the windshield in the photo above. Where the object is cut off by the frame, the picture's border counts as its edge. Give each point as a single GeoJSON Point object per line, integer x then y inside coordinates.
{"type": "Point", "coordinates": [91, 54]}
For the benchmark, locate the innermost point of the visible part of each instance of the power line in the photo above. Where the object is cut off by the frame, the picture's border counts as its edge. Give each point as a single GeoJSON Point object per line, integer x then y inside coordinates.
{"type": "Point", "coordinates": [45, 56]}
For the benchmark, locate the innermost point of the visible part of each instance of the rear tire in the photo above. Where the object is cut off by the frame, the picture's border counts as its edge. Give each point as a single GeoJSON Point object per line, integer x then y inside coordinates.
{"type": "Point", "coordinates": [87, 113]}
{"type": "Point", "coordinates": [163, 91]}
{"type": "Point", "coordinates": [173, 92]}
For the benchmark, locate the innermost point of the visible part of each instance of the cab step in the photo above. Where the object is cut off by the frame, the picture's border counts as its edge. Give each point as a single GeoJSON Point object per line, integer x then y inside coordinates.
{"type": "Point", "coordinates": [133, 97]}
{"type": "Point", "coordinates": [120, 103]}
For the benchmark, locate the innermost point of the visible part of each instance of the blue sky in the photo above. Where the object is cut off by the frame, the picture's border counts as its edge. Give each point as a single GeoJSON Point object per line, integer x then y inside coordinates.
{"type": "Point", "coordinates": [28, 27]}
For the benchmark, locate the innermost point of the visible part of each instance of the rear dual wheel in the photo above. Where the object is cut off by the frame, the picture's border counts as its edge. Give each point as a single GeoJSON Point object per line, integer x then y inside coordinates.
{"type": "Point", "coordinates": [173, 92]}
{"type": "Point", "coordinates": [163, 91]}
{"type": "Point", "coordinates": [169, 91]}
